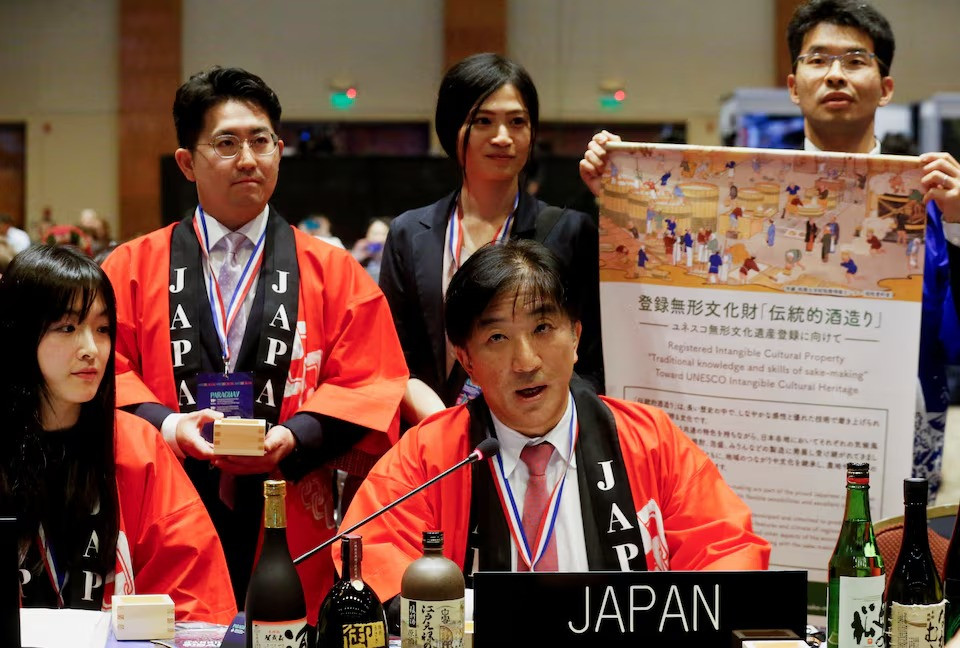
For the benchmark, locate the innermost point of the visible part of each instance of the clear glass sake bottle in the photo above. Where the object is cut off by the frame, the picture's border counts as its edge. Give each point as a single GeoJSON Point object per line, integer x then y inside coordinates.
{"type": "Point", "coordinates": [855, 611]}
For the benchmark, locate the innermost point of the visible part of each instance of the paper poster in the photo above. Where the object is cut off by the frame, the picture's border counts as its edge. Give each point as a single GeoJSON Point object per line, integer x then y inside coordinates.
{"type": "Point", "coordinates": [769, 301]}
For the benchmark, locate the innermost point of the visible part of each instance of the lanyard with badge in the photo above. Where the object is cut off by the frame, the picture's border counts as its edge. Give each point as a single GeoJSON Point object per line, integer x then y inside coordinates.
{"type": "Point", "coordinates": [455, 230]}
{"type": "Point", "coordinates": [229, 392]}
{"type": "Point", "coordinates": [531, 553]}
{"type": "Point", "coordinates": [469, 390]}
{"type": "Point", "coordinates": [57, 578]}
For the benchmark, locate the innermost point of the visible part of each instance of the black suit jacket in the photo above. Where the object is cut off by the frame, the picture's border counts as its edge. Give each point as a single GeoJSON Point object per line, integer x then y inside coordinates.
{"type": "Point", "coordinates": [411, 277]}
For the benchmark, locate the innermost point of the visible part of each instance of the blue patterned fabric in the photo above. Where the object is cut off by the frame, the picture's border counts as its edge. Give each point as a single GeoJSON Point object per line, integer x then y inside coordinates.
{"type": "Point", "coordinates": [938, 333]}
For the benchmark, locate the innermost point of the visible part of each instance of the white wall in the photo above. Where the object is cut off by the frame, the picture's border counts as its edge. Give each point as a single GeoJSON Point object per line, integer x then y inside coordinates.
{"type": "Point", "coordinates": [677, 58]}
{"type": "Point", "coordinates": [58, 74]}
{"type": "Point", "coordinates": [392, 50]}
{"type": "Point", "coordinates": [927, 58]}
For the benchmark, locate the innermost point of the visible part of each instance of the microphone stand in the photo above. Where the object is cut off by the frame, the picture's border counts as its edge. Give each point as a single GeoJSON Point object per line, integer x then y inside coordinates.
{"type": "Point", "coordinates": [471, 458]}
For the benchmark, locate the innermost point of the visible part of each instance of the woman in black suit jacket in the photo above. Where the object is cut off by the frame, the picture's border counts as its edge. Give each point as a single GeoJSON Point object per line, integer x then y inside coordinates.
{"type": "Point", "coordinates": [486, 120]}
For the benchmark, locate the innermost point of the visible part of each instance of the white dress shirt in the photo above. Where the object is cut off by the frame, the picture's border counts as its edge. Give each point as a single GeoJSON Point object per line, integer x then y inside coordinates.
{"type": "Point", "coordinates": [571, 545]}
{"type": "Point", "coordinates": [215, 232]}
{"type": "Point", "coordinates": [810, 147]}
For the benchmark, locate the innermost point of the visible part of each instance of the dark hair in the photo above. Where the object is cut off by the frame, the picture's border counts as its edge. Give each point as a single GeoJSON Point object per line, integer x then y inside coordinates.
{"type": "Point", "coordinates": [467, 85]}
{"type": "Point", "coordinates": [842, 13]}
{"type": "Point", "coordinates": [211, 88]}
{"type": "Point", "coordinates": [41, 284]}
{"type": "Point", "coordinates": [519, 266]}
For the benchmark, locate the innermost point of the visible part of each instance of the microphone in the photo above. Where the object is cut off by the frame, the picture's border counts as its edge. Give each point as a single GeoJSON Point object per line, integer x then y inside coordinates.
{"type": "Point", "coordinates": [484, 450]}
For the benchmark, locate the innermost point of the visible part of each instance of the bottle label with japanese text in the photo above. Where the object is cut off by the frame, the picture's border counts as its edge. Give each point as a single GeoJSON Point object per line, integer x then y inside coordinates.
{"type": "Point", "coordinates": [279, 634]}
{"type": "Point", "coordinates": [860, 618]}
{"type": "Point", "coordinates": [364, 635]}
{"type": "Point", "coordinates": [431, 624]}
{"type": "Point", "coordinates": [917, 626]}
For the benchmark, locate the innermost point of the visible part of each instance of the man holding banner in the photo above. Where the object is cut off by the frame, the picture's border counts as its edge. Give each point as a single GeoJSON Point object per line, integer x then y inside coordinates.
{"type": "Point", "coordinates": [842, 51]}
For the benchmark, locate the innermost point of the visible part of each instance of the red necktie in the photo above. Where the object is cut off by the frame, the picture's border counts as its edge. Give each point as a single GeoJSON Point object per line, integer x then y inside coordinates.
{"type": "Point", "coordinates": [535, 504]}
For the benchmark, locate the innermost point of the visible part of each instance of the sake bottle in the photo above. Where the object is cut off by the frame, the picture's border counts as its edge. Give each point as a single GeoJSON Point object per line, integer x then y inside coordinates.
{"type": "Point", "coordinates": [916, 609]}
{"type": "Point", "coordinates": [951, 582]}
{"type": "Point", "coordinates": [276, 614]}
{"type": "Point", "coordinates": [431, 599]}
{"type": "Point", "coordinates": [855, 612]}
{"type": "Point", "coordinates": [351, 615]}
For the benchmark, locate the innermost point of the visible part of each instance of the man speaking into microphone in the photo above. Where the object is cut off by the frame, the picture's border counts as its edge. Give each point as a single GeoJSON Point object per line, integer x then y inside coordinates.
{"type": "Point", "coordinates": [581, 482]}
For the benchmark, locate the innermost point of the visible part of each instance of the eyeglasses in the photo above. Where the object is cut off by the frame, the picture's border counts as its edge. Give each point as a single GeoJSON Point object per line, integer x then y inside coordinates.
{"type": "Point", "coordinates": [228, 146]}
{"type": "Point", "coordinates": [849, 61]}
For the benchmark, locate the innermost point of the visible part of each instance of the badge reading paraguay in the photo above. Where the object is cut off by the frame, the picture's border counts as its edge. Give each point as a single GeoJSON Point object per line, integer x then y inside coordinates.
{"type": "Point", "coordinates": [531, 552]}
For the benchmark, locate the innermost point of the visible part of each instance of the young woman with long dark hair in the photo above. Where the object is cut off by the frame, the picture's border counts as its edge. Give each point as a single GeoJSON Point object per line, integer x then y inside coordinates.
{"type": "Point", "coordinates": [102, 504]}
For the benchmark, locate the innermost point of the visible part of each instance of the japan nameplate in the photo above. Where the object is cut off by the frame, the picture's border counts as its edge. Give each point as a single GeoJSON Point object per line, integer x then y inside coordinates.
{"type": "Point", "coordinates": [634, 608]}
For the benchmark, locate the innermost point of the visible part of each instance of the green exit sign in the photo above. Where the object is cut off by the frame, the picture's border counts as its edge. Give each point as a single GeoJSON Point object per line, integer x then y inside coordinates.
{"type": "Point", "coordinates": [343, 100]}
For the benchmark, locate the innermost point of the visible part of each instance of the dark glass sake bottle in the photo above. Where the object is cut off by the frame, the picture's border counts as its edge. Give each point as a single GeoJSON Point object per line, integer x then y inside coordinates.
{"type": "Point", "coordinates": [951, 581]}
{"type": "Point", "coordinates": [276, 614]}
{"type": "Point", "coordinates": [915, 605]}
{"type": "Point", "coordinates": [431, 599]}
{"type": "Point", "coordinates": [351, 615]}
{"type": "Point", "coordinates": [855, 592]}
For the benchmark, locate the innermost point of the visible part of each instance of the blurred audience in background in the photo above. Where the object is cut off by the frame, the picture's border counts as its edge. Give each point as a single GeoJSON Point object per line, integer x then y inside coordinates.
{"type": "Point", "coordinates": [368, 251]}
{"type": "Point", "coordinates": [70, 235]}
{"type": "Point", "coordinates": [319, 226]}
{"type": "Point", "coordinates": [16, 238]}
{"type": "Point", "coordinates": [97, 229]}
{"type": "Point", "coordinates": [6, 256]}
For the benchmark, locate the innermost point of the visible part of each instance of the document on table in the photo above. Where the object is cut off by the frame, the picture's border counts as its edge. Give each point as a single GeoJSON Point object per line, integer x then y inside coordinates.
{"type": "Point", "coordinates": [47, 628]}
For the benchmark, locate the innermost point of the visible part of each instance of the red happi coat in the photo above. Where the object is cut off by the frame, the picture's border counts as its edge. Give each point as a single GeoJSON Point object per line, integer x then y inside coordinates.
{"type": "Point", "coordinates": [689, 518]}
{"type": "Point", "coordinates": [167, 543]}
{"type": "Point", "coordinates": [347, 363]}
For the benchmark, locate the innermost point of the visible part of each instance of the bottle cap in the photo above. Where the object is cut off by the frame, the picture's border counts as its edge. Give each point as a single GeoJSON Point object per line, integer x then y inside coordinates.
{"type": "Point", "coordinates": [858, 473]}
{"type": "Point", "coordinates": [433, 539]}
{"type": "Point", "coordinates": [352, 542]}
{"type": "Point", "coordinates": [915, 491]}
{"type": "Point", "coordinates": [275, 487]}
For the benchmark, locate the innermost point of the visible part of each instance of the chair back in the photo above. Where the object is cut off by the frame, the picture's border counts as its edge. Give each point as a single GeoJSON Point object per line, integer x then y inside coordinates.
{"type": "Point", "coordinates": [889, 533]}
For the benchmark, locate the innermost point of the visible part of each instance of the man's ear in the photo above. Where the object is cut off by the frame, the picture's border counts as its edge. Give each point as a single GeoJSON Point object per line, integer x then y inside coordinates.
{"type": "Point", "coordinates": [887, 87]}
{"type": "Point", "coordinates": [463, 357]}
{"type": "Point", "coordinates": [577, 332]}
{"type": "Point", "coordinates": [792, 88]}
{"type": "Point", "coordinates": [184, 160]}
